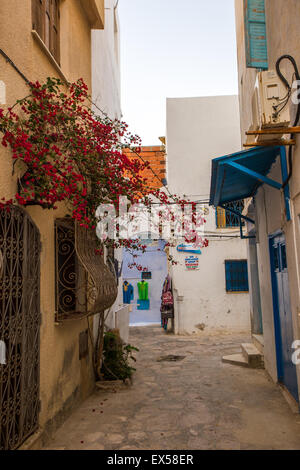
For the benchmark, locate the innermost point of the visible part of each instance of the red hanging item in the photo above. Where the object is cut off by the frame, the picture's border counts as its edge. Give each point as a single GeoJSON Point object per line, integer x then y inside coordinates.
{"type": "Point", "coordinates": [167, 299]}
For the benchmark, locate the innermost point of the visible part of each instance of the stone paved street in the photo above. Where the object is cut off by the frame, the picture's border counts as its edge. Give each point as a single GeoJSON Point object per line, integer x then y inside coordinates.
{"type": "Point", "coordinates": [197, 403]}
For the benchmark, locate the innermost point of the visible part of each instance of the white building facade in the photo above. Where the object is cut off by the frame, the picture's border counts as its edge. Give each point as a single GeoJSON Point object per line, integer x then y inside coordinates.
{"type": "Point", "coordinates": [212, 298]}
{"type": "Point", "coordinates": [107, 99]}
{"type": "Point", "coordinates": [106, 63]}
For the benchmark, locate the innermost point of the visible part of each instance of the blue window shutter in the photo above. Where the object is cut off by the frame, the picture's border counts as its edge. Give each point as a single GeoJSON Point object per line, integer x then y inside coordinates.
{"type": "Point", "coordinates": [236, 273]}
{"type": "Point", "coordinates": [228, 270]}
{"type": "Point", "coordinates": [256, 34]}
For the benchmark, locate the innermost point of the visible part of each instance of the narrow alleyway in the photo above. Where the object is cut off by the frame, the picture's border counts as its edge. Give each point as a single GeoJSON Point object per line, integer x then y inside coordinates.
{"type": "Point", "coordinates": [196, 403]}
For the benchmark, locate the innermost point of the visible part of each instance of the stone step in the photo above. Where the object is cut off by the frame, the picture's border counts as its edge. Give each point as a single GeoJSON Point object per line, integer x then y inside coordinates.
{"type": "Point", "coordinates": [258, 341]}
{"type": "Point", "coordinates": [236, 360]}
{"type": "Point", "coordinates": [252, 355]}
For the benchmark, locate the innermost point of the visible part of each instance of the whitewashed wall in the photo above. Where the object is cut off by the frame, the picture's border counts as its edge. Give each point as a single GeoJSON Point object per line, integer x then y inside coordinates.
{"type": "Point", "coordinates": [106, 63]}
{"type": "Point", "coordinates": [198, 130]}
{"type": "Point", "coordinates": [106, 95]}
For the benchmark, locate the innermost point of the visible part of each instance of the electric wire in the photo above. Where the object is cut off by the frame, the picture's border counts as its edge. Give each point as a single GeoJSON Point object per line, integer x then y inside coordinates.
{"type": "Point", "coordinates": [201, 201]}
{"type": "Point", "coordinates": [96, 106]}
{"type": "Point", "coordinates": [289, 88]}
{"type": "Point", "coordinates": [8, 59]}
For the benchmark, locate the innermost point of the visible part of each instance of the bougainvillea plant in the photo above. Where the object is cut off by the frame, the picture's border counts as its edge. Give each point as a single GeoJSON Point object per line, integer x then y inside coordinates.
{"type": "Point", "coordinates": [70, 154]}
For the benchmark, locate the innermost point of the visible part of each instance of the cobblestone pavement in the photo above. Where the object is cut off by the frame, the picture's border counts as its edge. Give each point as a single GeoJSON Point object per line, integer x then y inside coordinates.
{"type": "Point", "coordinates": [196, 403]}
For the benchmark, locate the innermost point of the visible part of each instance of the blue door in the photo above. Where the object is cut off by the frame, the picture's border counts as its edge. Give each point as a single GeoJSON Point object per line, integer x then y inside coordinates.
{"type": "Point", "coordinates": [283, 315]}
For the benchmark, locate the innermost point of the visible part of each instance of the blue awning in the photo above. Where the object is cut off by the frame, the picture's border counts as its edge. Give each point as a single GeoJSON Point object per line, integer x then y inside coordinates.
{"type": "Point", "coordinates": [238, 176]}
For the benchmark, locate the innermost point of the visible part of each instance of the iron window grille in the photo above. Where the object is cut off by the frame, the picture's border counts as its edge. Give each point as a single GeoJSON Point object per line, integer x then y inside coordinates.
{"type": "Point", "coordinates": [71, 277]}
{"type": "Point", "coordinates": [85, 285]}
{"type": "Point", "coordinates": [236, 272]}
{"type": "Point", "coordinates": [226, 219]}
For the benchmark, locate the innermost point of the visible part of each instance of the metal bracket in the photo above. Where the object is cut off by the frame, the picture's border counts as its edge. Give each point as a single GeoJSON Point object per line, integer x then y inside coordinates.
{"type": "Point", "coordinates": [241, 216]}
{"type": "Point", "coordinates": [243, 237]}
{"type": "Point", "coordinates": [286, 190]}
{"type": "Point", "coordinates": [255, 175]}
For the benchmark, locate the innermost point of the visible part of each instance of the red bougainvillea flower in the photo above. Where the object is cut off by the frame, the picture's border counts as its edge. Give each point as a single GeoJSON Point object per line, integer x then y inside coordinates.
{"type": "Point", "coordinates": [74, 156]}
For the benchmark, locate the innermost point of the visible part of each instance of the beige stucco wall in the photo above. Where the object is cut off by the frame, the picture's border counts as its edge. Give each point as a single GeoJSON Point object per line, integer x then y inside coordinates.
{"type": "Point", "coordinates": [283, 35]}
{"type": "Point", "coordinates": [64, 379]}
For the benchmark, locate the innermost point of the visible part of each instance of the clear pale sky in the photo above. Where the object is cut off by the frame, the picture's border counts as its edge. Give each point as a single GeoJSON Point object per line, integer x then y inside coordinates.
{"type": "Point", "coordinates": [173, 48]}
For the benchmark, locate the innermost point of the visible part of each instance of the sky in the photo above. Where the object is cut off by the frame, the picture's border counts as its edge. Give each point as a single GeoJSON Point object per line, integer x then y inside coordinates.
{"type": "Point", "coordinates": [171, 49]}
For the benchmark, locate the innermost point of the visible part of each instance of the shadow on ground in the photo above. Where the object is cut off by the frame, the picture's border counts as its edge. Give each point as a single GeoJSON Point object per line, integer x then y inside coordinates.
{"type": "Point", "coordinates": [196, 403]}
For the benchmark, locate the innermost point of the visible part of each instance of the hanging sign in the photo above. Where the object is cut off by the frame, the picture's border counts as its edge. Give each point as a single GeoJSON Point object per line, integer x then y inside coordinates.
{"type": "Point", "coordinates": [192, 263]}
{"type": "Point", "coordinates": [188, 248]}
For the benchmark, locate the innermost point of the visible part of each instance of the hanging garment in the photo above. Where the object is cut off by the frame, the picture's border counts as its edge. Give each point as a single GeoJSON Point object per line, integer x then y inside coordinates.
{"type": "Point", "coordinates": [167, 299]}
{"type": "Point", "coordinates": [128, 293]}
{"type": "Point", "coordinates": [167, 286]}
{"type": "Point", "coordinates": [143, 290]}
{"type": "Point", "coordinates": [143, 304]}
{"type": "Point", "coordinates": [167, 303]}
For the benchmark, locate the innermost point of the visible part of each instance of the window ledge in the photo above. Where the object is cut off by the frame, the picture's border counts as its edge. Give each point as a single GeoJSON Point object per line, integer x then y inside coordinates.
{"type": "Point", "coordinates": [95, 12]}
{"type": "Point", "coordinates": [237, 292]}
{"type": "Point", "coordinates": [45, 49]}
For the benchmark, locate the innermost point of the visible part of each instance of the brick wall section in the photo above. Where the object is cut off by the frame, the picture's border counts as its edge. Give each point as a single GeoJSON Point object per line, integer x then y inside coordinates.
{"type": "Point", "coordinates": [156, 156]}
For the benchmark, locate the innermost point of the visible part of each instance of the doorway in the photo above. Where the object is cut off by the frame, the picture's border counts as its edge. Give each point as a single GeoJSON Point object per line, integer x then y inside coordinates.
{"type": "Point", "coordinates": [284, 336]}
{"type": "Point", "coordinates": [154, 261]}
{"type": "Point", "coordinates": [255, 299]}
{"type": "Point", "coordinates": [20, 320]}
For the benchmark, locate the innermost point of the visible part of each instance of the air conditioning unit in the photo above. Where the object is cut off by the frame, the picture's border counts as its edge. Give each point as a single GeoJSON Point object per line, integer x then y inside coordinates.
{"type": "Point", "coordinates": [270, 104]}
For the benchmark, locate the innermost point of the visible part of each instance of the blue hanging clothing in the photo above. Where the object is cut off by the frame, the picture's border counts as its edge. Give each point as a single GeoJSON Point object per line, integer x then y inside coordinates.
{"type": "Point", "coordinates": [128, 293]}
